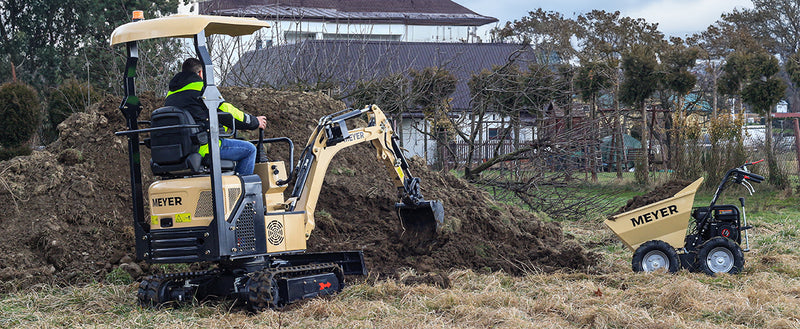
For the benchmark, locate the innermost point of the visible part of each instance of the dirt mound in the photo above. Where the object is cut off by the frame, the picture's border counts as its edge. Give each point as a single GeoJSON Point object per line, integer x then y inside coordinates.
{"type": "Point", "coordinates": [664, 191]}
{"type": "Point", "coordinates": [68, 207]}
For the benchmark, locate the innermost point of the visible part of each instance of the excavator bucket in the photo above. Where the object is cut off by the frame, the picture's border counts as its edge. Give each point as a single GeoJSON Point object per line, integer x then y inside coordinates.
{"type": "Point", "coordinates": [422, 219]}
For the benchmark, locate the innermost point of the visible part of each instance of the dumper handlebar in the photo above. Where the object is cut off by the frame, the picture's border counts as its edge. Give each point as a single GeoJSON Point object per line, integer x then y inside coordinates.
{"type": "Point", "coordinates": [739, 175]}
{"type": "Point", "coordinates": [744, 174]}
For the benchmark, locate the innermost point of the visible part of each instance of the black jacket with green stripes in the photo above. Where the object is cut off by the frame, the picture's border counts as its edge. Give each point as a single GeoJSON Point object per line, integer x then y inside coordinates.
{"type": "Point", "coordinates": [185, 91]}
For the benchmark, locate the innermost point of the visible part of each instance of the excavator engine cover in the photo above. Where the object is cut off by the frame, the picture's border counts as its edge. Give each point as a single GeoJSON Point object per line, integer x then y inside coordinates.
{"type": "Point", "coordinates": [423, 219]}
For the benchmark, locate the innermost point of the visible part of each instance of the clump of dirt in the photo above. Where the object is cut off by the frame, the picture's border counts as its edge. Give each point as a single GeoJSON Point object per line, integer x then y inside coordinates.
{"type": "Point", "coordinates": [436, 279]}
{"type": "Point", "coordinates": [664, 191]}
{"type": "Point", "coordinates": [68, 208]}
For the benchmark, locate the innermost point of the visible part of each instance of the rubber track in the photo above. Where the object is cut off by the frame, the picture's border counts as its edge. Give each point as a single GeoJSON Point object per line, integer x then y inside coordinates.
{"type": "Point", "coordinates": [260, 292]}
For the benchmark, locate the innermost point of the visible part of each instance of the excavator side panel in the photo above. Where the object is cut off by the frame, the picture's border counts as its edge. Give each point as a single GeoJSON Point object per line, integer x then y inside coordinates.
{"type": "Point", "coordinates": [285, 232]}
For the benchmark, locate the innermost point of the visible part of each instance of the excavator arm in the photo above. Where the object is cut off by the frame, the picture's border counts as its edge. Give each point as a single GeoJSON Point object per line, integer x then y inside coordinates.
{"type": "Point", "coordinates": [418, 216]}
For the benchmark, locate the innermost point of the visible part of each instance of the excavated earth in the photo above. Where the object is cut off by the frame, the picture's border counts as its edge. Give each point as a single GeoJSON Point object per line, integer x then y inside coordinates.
{"type": "Point", "coordinates": [661, 192]}
{"type": "Point", "coordinates": [67, 209]}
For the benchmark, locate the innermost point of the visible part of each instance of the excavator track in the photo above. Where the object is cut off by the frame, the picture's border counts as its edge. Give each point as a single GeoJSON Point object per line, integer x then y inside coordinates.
{"type": "Point", "coordinates": [264, 288]}
{"type": "Point", "coordinates": [160, 290]}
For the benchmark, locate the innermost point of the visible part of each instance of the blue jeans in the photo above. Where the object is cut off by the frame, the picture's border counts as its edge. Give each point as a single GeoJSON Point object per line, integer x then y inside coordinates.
{"type": "Point", "coordinates": [243, 152]}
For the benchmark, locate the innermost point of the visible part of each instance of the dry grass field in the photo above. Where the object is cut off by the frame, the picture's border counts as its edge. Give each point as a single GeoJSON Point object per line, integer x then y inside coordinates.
{"type": "Point", "coordinates": [766, 295]}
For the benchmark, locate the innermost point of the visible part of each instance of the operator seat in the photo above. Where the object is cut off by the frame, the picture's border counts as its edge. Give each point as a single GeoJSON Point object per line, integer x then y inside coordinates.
{"type": "Point", "coordinates": [174, 151]}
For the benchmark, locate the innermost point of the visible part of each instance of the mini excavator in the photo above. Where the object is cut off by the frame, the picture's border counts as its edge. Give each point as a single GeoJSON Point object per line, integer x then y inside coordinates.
{"type": "Point", "coordinates": [201, 211]}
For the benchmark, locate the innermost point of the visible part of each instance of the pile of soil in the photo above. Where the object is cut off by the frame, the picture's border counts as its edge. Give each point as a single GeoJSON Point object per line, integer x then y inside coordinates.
{"type": "Point", "coordinates": [68, 210]}
{"type": "Point", "coordinates": [664, 191]}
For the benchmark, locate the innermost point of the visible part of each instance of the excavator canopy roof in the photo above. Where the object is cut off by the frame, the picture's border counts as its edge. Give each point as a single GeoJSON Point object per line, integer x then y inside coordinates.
{"type": "Point", "coordinates": [185, 26]}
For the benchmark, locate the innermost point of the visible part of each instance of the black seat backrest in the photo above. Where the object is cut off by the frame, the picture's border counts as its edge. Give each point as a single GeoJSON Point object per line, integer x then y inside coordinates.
{"type": "Point", "coordinates": [174, 151]}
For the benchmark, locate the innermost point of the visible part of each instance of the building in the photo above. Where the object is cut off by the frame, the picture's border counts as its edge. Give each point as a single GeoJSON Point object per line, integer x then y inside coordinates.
{"type": "Point", "coordinates": [338, 43]}
{"type": "Point", "coordinates": [343, 63]}
{"type": "Point", "coordinates": [294, 21]}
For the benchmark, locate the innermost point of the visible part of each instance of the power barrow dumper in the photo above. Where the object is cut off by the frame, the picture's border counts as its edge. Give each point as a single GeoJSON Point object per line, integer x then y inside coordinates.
{"type": "Point", "coordinates": [250, 228]}
{"type": "Point", "coordinates": [671, 234]}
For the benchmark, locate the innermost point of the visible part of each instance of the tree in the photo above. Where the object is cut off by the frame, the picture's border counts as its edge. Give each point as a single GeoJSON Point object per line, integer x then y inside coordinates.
{"type": "Point", "coordinates": [763, 91]}
{"type": "Point", "coordinates": [496, 91]}
{"type": "Point", "coordinates": [607, 36]}
{"type": "Point", "coordinates": [714, 45]}
{"type": "Point", "coordinates": [676, 60]}
{"type": "Point", "coordinates": [775, 26]}
{"type": "Point", "coordinates": [641, 80]}
{"type": "Point", "coordinates": [735, 72]}
{"type": "Point", "coordinates": [390, 92]}
{"type": "Point", "coordinates": [592, 78]}
{"type": "Point", "coordinates": [546, 31]}
{"type": "Point", "coordinates": [431, 88]}
{"type": "Point", "coordinates": [48, 41]}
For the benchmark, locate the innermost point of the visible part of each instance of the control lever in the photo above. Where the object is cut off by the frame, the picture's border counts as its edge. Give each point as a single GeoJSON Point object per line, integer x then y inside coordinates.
{"type": "Point", "coordinates": [748, 186]}
{"type": "Point", "coordinates": [745, 228]}
{"type": "Point", "coordinates": [260, 156]}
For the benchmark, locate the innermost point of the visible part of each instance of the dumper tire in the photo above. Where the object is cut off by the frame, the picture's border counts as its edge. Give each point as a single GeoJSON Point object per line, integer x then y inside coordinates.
{"type": "Point", "coordinates": [655, 255]}
{"type": "Point", "coordinates": [720, 255]}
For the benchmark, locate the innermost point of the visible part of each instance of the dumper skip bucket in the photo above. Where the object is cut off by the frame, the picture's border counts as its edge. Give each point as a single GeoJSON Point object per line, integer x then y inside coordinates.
{"type": "Point", "coordinates": [666, 220]}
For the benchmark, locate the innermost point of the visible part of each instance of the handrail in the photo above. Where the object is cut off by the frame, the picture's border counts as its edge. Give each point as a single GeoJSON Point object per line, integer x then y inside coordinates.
{"type": "Point", "coordinates": [139, 131]}
{"type": "Point", "coordinates": [291, 153]}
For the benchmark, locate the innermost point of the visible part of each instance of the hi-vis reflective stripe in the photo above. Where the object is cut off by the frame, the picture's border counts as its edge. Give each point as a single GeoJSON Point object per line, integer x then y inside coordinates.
{"type": "Point", "coordinates": [192, 86]}
{"type": "Point", "coordinates": [203, 150]}
{"type": "Point", "coordinates": [236, 113]}
{"type": "Point", "coordinates": [400, 172]}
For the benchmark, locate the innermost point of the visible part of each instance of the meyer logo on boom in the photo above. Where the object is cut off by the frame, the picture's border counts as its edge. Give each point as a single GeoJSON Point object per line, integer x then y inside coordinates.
{"type": "Point", "coordinates": [355, 136]}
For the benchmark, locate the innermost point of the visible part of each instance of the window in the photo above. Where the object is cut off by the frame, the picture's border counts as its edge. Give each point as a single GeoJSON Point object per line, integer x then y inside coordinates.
{"type": "Point", "coordinates": [493, 133]}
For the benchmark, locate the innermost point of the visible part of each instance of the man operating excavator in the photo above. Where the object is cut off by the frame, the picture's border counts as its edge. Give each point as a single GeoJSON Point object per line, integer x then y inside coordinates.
{"type": "Point", "coordinates": [185, 91]}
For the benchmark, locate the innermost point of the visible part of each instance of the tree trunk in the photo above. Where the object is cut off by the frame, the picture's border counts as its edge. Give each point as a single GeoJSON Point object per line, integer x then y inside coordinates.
{"type": "Point", "coordinates": [796, 128]}
{"type": "Point", "coordinates": [775, 176]}
{"type": "Point", "coordinates": [595, 140]}
{"type": "Point", "coordinates": [475, 136]}
{"type": "Point", "coordinates": [715, 77]}
{"type": "Point", "coordinates": [670, 142]}
{"type": "Point", "coordinates": [620, 145]}
{"type": "Point", "coordinates": [644, 157]}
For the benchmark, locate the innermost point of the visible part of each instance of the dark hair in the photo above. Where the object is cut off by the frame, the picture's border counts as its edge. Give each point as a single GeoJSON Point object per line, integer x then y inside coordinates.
{"type": "Point", "coordinates": [193, 65]}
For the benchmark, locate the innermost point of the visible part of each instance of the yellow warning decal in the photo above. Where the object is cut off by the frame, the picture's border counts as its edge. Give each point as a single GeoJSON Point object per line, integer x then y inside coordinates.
{"type": "Point", "coordinates": [154, 220]}
{"type": "Point", "coordinates": [183, 218]}
{"type": "Point", "coordinates": [399, 172]}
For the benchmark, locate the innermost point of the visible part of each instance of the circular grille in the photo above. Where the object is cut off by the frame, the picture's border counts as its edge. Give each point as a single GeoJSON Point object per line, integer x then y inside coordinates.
{"type": "Point", "coordinates": [275, 232]}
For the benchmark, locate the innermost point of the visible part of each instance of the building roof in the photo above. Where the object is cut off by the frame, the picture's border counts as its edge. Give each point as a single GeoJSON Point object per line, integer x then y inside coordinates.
{"type": "Point", "coordinates": [342, 63]}
{"type": "Point", "coordinates": [409, 12]}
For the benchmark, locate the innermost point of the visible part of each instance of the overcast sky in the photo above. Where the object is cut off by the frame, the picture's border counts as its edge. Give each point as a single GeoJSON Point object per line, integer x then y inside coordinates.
{"type": "Point", "coordinates": [674, 17]}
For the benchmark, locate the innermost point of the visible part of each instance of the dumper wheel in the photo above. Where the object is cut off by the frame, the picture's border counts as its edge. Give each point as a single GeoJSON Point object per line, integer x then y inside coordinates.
{"type": "Point", "coordinates": [720, 255]}
{"type": "Point", "coordinates": [655, 255]}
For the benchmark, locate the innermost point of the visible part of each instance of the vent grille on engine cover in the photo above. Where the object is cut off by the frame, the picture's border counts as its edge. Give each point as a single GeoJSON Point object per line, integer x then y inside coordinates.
{"type": "Point", "coordinates": [245, 229]}
{"type": "Point", "coordinates": [205, 208]}
{"type": "Point", "coordinates": [233, 195]}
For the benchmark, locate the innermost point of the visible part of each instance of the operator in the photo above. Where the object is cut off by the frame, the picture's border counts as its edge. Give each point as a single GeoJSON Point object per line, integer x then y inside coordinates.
{"type": "Point", "coordinates": [185, 91]}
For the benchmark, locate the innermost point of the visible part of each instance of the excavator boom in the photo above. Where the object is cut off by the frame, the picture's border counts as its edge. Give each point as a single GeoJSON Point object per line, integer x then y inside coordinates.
{"type": "Point", "coordinates": [420, 218]}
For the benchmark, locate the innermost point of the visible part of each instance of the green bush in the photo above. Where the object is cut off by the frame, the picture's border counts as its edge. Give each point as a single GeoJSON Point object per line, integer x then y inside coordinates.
{"type": "Point", "coordinates": [70, 97]}
{"type": "Point", "coordinates": [19, 108]}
